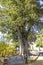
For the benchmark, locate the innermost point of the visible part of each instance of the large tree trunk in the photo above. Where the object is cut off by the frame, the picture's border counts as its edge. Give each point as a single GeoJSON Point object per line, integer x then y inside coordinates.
{"type": "Point", "coordinates": [20, 42]}
{"type": "Point", "coordinates": [23, 48]}
{"type": "Point", "coordinates": [23, 45]}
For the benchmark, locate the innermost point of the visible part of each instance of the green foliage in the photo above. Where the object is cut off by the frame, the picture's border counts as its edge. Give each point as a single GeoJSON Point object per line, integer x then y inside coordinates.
{"type": "Point", "coordinates": [17, 13]}
{"type": "Point", "coordinates": [40, 41]}
{"type": "Point", "coordinates": [32, 37]}
{"type": "Point", "coordinates": [5, 49]}
{"type": "Point", "coordinates": [15, 44]}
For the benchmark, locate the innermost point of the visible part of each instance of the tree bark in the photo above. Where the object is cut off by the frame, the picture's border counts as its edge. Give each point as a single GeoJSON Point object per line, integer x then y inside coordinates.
{"type": "Point", "coordinates": [23, 48]}
{"type": "Point", "coordinates": [23, 45]}
{"type": "Point", "coordinates": [20, 42]}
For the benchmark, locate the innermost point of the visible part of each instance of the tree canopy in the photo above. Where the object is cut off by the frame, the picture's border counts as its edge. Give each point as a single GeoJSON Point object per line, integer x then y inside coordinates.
{"type": "Point", "coordinates": [17, 17]}
{"type": "Point", "coordinates": [18, 13]}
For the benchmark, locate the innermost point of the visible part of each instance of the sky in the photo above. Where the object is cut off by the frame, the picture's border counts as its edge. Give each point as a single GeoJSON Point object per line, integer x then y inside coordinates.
{"type": "Point", "coordinates": [41, 2]}
{"type": "Point", "coordinates": [2, 37]}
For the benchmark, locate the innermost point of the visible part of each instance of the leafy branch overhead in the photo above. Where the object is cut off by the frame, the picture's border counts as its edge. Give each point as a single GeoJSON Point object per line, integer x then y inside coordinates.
{"type": "Point", "coordinates": [18, 13]}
